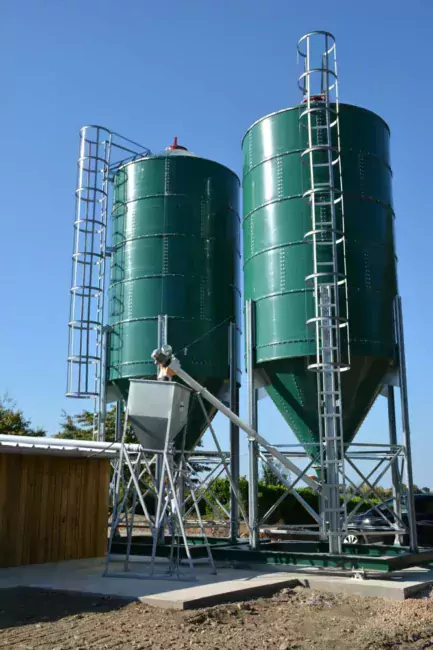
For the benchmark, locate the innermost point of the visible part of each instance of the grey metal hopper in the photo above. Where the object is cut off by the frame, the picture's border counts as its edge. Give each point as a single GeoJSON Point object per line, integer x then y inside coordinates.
{"type": "Point", "coordinates": [157, 409]}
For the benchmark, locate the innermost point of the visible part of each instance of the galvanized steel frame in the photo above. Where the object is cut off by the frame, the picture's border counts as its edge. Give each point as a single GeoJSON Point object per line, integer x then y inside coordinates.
{"type": "Point", "coordinates": [135, 477]}
{"type": "Point", "coordinates": [383, 457]}
{"type": "Point", "coordinates": [393, 457]}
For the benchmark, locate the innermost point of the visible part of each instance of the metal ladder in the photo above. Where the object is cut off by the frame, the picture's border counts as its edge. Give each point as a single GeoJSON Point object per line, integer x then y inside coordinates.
{"type": "Point", "coordinates": [88, 263]}
{"type": "Point", "coordinates": [319, 126]}
{"type": "Point", "coordinates": [87, 332]}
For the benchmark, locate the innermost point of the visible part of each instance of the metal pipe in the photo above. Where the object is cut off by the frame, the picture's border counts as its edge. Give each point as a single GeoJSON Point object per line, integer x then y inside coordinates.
{"type": "Point", "coordinates": [253, 451]}
{"type": "Point", "coordinates": [174, 368]}
{"type": "Point", "coordinates": [42, 443]}
{"type": "Point", "coordinates": [162, 329]}
{"type": "Point", "coordinates": [234, 434]}
{"type": "Point", "coordinates": [410, 501]}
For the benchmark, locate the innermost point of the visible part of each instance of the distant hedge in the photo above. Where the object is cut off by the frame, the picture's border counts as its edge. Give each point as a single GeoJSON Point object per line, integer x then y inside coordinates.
{"type": "Point", "coordinates": [289, 511]}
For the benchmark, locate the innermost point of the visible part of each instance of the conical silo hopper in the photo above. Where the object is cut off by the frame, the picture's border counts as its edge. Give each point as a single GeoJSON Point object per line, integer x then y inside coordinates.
{"type": "Point", "coordinates": [277, 260]}
{"type": "Point", "coordinates": [176, 253]}
{"type": "Point", "coordinates": [157, 411]}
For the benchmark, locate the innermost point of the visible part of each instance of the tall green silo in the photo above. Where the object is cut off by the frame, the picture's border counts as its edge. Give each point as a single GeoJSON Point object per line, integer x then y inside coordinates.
{"type": "Point", "coordinates": [278, 258]}
{"type": "Point", "coordinates": [176, 252]}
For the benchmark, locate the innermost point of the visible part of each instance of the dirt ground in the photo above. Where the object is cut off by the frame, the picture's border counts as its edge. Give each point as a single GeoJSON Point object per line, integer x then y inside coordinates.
{"type": "Point", "coordinates": [293, 619]}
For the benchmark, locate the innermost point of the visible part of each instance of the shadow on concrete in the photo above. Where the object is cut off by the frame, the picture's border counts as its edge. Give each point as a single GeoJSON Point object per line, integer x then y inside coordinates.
{"type": "Point", "coordinates": [22, 606]}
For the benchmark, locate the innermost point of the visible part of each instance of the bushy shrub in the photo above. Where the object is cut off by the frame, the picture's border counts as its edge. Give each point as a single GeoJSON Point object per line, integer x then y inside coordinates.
{"type": "Point", "coordinates": [289, 511]}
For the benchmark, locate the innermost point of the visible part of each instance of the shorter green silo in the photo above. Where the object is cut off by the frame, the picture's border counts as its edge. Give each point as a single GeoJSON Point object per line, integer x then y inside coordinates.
{"type": "Point", "coordinates": [176, 252]}
{"type": "Point", "coordinates": [278, 258]}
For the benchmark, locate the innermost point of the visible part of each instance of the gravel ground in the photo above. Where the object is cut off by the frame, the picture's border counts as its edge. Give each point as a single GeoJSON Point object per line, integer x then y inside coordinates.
{"type": "Point", "coordinates": [293, 619]}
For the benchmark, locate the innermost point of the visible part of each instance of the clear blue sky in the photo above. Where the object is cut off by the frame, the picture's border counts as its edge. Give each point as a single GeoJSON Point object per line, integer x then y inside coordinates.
{"type": "Point", "coordinates": [203, 70]}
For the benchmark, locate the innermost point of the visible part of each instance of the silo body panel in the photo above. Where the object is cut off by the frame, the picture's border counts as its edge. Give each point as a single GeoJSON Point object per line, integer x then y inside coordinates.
{"type": "Point", "coordinates": [175, 233]}
{"type": "Point", "coordinates": [277, 259]}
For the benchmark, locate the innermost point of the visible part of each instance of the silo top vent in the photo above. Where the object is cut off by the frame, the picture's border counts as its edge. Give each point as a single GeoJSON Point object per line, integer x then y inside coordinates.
{"type": "Point", "coordinates": [175, 146]}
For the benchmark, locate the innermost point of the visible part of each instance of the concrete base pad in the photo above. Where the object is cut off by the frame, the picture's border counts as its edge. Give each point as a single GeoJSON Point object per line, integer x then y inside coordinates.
{"type": "Point", "coordinates": [396, 586]}
{"type": "Point", "coordinates": [229, 585]}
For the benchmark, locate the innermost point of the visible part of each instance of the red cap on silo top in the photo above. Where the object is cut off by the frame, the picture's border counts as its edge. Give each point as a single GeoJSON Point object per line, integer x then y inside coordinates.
{"type": "Point", "coordinates": [175, 146]}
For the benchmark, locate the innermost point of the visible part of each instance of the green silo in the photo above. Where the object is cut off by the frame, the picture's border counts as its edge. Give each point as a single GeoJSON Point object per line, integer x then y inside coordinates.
{"type": "Point", "coordinates": [277, 260]}
{"type": "Point", "coordinates": [176, 252]}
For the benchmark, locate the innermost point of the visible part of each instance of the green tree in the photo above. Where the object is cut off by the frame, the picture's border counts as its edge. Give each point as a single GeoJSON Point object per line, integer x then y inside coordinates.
{"type": "Point", "coordinates": [268, 476]}
{"type": "Point", "coordinates": [13, 422]}
{"type": "Point", "coordinates": [80, 426]}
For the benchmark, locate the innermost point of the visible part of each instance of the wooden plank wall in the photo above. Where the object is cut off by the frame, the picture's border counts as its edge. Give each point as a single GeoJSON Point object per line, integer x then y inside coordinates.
{"type": "Point", "coordinates": [52, 508]}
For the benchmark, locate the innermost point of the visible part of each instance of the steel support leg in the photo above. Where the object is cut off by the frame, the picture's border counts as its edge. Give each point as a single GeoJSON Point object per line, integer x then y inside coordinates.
{"type": "Point", "coordinates": [102, 398]}
{"type": "Point", "coordinates": [180, 487]}
{"type": "Point", "coordinates": [159, 467]}
{"type": "Point", "coordinates": [118, 426]}
{"type": "Point", "coordinates": [410, 501]}
{"type": "Point", "coordinates": [395, 473]}
{"type": "Point", "coordinates": [234, 435]}
{"type": "Point", "coordinates": [253, 452]}
{"type": "Point", "coordinates": [159, 476]}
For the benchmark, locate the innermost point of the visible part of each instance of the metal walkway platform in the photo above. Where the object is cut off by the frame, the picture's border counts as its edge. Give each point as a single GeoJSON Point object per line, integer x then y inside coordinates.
{"type": "Point", "coordinates": [362, 557]}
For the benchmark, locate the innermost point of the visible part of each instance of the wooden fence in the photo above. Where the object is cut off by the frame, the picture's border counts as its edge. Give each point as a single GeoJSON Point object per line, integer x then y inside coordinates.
{"type": "Point", "coordinates": [52, 508]}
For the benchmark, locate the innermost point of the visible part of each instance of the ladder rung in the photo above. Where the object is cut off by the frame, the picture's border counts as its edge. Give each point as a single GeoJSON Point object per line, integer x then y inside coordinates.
{"type": "Point", "coordinates": [336, 420]}
{"type": "Point", "coordinates": [336, 440]}
{"type": "Point", "coordinates": [324, 188]}
{"type": "Point", "coordinates": [324, 243]}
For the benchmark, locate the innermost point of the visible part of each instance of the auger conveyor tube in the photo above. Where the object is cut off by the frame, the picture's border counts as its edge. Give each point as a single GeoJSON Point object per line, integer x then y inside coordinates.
{"type": "Point", "coordinates": [174, 368]}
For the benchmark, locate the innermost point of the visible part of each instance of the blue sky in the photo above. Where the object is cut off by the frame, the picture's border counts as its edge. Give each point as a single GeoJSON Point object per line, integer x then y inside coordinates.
{"type": "Point", "coordinates": [203, 70]}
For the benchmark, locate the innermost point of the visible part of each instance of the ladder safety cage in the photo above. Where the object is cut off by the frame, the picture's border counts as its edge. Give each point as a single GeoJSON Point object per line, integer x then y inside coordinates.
{"type": "Point", "coordinates": [101, 152]}
{"type": "Point", "coordinates": [88, 262]}
{"type": "Point", "coordinates": [323, 193]}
